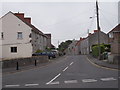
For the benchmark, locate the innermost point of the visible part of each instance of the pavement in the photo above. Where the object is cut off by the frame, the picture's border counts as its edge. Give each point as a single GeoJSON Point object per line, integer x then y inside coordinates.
{"type": "Point", "coordinates": [74, 71]}
{"type": "Point", "coordinates": [103, 63]}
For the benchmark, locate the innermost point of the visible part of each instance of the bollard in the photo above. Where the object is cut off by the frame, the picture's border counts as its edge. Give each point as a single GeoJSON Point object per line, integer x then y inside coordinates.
{"type": "Point", "coordinates": [35, 63]}
{"type": "Point", "coordinates": [17, 66]}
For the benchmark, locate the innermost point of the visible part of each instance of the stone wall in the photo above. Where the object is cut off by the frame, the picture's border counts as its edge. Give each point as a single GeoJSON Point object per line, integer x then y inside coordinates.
{"type": "Point", "coordinates": [24, 61]}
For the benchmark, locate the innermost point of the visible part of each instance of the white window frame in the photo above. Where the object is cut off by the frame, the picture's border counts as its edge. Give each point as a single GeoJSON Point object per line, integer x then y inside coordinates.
{"type": "Point", "coordinates": [19, 35]}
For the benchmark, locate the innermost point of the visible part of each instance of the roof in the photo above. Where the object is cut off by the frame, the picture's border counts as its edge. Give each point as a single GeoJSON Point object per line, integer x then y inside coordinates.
{"type": "Point", "coordinates": [30, 25]}
{"type": "Point", "coordinates": [117, 28]}
{"type": "Point", "coordinates": [78, 43]}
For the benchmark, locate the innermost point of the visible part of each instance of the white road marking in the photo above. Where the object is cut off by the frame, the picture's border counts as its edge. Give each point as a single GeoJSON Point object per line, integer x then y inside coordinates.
{"type": "Point", "coordinates": [108, 79]}
{"type": "Point", "coordinates": [54, 82]}
{"type": "Point", "coordinates": [71, 81]}
{"type": "Point", "coordinates": [31, 84]}
{"type": "Point", "coordinates": [89, 80]}
{"type": "Point", "coordinates": [53, 78]}
{"type": "Point", "coordinates": [71, 63]}
{"type": "Point", "coordinates": [12, 85]}
{"type": "Point", "coordinates": [65, 69]}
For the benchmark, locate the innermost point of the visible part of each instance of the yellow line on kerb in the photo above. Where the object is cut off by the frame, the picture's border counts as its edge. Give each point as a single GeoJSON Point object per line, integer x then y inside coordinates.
{"type": "Point", "coordinates": [101, 66]}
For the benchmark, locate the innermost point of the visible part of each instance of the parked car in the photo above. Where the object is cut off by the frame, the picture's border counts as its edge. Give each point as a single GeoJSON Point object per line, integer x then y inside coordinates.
{"type": "Point", "coordinates": [36, 54]}
{"type": "Point", "coordinates": [49, 54]}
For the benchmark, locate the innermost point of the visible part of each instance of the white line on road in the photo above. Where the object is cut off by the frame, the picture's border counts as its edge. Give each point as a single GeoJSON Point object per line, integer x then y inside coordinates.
{"type": "Point", "coordinates": [54, 82]}
{"type": "Point", "coordinates": [65, 69]}
{"type": "Point", "coordinates": [108, 79]}
{"type": "Point", "coordinates": [89, 80]}
{"type": "Point", "coordinates": [31, 84]}
{"type": "Point", "coordinates": [71, 63]}
{"type": "Point", "coordinates": [12, 85]}
{"type": "Point", "coordinates": [71, 81]}
{"type": "Point", "coordinates": [53, 78]}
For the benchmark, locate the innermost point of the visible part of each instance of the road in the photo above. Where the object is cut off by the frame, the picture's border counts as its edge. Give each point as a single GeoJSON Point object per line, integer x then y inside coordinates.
{"type": "Point", "coordinates": [69, 72]}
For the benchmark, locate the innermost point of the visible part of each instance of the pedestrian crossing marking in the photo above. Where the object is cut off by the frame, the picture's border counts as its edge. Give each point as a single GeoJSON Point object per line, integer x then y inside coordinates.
{"type": "Point", "coordinates": [89, 80]}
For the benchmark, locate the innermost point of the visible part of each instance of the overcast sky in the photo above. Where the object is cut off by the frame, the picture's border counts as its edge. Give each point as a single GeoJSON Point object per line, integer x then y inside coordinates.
{"type": "Point", "coordinates": [66, 20]}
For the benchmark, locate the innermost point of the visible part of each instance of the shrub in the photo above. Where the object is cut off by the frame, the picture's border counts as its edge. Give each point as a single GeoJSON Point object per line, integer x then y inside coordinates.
{"type": "Point", "coordinates": [95, 50]}
{"type": "Point", "coordinates": [38, 51]}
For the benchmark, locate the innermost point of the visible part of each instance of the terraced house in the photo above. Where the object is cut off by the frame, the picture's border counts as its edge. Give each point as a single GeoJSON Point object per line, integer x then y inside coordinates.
{"type": "Point", "coordinates": [19, 38]}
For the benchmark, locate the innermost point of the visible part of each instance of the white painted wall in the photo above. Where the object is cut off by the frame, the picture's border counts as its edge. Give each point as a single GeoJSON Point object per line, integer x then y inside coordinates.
{"type": "Point", "coordinates": [10, 26]}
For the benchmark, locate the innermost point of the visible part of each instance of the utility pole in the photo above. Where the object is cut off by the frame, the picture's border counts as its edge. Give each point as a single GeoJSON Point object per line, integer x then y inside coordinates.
{"type": "Point", "coordinates": [98, 28]}
{"type": "Point", "coordinates": [58, 43]}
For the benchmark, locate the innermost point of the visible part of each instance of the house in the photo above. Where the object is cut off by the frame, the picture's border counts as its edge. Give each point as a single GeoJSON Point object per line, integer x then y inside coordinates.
{"type": "Point", "coordinates": [85, 44]}
{"type": "Point", "coordinates": [77, 47]}
{"type": "Point", "coordinates": [114, 41]}
{"type": "Point", "coordinates": [93, 38]}
{"type": "Point", "coordinates": [71, 50]}
{"type": "Point", "coordinates": [19, 38]}
{"type": "Point", "coordinates": [49, 40]}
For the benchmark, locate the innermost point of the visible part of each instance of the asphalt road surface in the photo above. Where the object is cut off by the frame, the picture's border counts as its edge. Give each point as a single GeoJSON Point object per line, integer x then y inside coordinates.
{"type": "Point", "coordinates": [69, 72]}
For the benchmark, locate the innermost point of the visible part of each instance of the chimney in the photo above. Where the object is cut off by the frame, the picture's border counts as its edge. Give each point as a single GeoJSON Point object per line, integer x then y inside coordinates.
{"type": "Point", "coordinates": [90, 34]}
{"type": "Point", "coordinates": [20, 15]}
{"type": "Point", "coordinates": [28, 20]}
{"type": "Point", "coordinates": [95, 31]}
{"type": "Point", "coordinates": [81, 38]}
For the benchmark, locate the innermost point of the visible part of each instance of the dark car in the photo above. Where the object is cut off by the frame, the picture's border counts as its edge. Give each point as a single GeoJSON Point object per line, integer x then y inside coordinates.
{"type": "Point", "coordinates": [49, 54]}
{"type": "Point", "coordinates": [36, 54]}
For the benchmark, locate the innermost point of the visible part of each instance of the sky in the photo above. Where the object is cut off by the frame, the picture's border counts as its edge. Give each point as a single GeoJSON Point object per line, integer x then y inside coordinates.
{"type": "Point", "coordinates": [65, 20]}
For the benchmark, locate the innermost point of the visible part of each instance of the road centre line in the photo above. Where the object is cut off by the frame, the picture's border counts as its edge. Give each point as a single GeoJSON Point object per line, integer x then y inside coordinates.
{"type": "Point", "coordinates": [71, 63]}
{"type": "Point", "coordinates": [53, 78]}
{"type": "Point", "coordinates": [89, 80]}
{"type": "Point", "coordinates": [108, 79]}
{"type": "Point", "coordinates": [65, 69]}
{"type": "Point", "coordinates": [12, 85]}
{"type": "Point", "coordinates": [31, 84]}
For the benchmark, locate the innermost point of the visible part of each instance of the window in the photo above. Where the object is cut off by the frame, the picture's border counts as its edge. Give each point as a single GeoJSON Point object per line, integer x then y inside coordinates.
{"type": "Point", "coordinates": [13, 49]}
{"type": "Point", "coordinates": [110, 35]}
{"type": "Point", "coordinates": [19, 35]}
{"type": "Point", "coordinates": [2, 35]}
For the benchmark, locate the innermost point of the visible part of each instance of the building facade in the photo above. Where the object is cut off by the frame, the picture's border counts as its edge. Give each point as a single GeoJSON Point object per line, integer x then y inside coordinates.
{"type": "Point", "coordinates": [114, 39]}
{"type": "Point", "coordinates": [19, 38]}
{"type": "Point", "coordinates": [85, 44]}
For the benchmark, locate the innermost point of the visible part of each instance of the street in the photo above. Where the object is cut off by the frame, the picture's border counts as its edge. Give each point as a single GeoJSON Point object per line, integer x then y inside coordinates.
{"type": "Point", "coordinates": [70, 72]}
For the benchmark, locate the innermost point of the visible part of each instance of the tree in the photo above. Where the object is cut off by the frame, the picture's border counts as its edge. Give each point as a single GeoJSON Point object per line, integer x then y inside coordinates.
{"type": "Point", "coordinates": [64, 45]}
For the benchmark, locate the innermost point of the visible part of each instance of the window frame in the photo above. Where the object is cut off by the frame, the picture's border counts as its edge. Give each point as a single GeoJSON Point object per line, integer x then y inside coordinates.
{"type": "Point", "coordinates": [19, 35]}
{"type": "Point", "coordinates": [13, 49]}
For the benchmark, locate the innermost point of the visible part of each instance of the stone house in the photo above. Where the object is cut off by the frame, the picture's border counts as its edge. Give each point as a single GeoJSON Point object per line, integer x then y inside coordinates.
{"type": "Point", "coordinates": [19, 38]}
{"type": "Point", "coordinates": [71, 50]}
{"type": "Point", "coordinates": [85, 44]}
{"type": "Point", "coordinates": [93, 39]}
{"type": "Point", "coordinates": [114, 41]}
